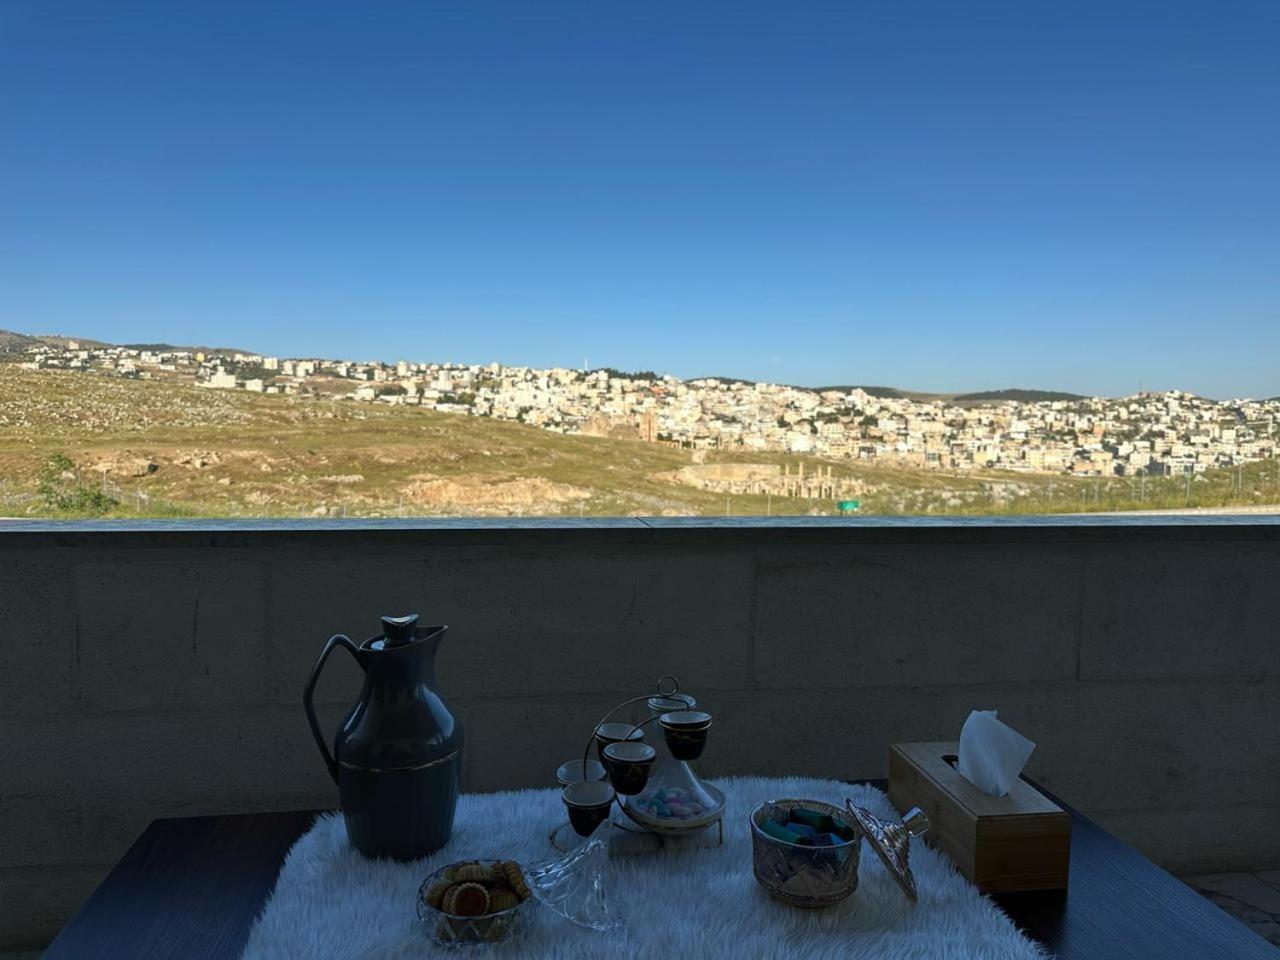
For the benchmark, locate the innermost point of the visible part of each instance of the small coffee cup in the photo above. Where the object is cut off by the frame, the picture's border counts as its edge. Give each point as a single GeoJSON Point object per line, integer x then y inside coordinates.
{"type": "Point", "coordinates": [571, 771]}
{"type": "Point", "coordinates": [588, 803]}
{"type": "Point", "coordinates": [629, 765]}
{"type": "Point", "coordinates": [686, 733]}
{"type": "Point", "coordinates": [608, 733]}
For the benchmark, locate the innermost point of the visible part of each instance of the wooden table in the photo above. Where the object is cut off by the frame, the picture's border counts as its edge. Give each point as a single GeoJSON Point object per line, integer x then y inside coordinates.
{"type": "Point", "coordinates": [191, 888]}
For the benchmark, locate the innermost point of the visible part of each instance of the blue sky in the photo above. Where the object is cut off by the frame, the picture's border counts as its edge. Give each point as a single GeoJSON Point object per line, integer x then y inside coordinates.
{"type": "Point", "coordinates": [938, 196]}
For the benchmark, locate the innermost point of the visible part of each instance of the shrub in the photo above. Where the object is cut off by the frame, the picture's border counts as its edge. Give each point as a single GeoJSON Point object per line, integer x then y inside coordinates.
{"type": "Point", "coordinates": [61, 489]}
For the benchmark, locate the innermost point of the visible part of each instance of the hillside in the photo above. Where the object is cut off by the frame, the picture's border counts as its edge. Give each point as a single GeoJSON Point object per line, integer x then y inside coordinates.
{"type": "Point", "coordinates": [884, 393]}
{"type": "Point", "coordinates": [14, 343]}
{"type": "Point", "coordinates": [984, 396]}
{"type": "Point", "coordinates": [174, 449]}
{"type": "Point", "coordinates": [170, 449]}
{"type": "Point", "coordinates": [189, 348]}
{"type": "Point", "coordinates": [1018, 394]}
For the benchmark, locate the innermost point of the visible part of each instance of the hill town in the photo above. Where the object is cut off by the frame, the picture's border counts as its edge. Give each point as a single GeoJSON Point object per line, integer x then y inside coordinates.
{"type": "Point", "coordinates": [1149, 434]}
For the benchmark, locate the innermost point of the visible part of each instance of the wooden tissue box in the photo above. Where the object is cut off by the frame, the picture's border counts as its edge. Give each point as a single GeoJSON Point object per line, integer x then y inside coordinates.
{"type": "Point", "coordinates": [1018, 842]}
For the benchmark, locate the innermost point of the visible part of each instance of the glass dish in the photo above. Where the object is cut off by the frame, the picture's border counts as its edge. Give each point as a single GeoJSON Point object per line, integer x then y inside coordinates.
{"type": "Point", "coordinates": [675, 800]}
{"type": "Point", "coordinates": [576, 887]}
{"type": "Point", "coordinates": [804, 876]}
{"type": "Point", "coordinates": [450, 930]}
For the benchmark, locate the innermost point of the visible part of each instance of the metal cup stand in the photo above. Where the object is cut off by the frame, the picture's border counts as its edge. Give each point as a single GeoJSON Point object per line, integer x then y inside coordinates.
{"type": "Point", "coordinates": [629, 772]}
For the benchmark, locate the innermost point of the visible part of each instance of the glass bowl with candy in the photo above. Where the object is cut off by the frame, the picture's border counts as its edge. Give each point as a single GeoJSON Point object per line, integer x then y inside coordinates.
{"type": "Point", "coordinates": [805, 852]}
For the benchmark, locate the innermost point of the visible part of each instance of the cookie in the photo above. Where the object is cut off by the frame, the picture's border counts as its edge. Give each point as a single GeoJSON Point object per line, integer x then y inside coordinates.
{"type": "Point", "coordinates": [435, 896]}
{"type": "Point", "coordinates": [502, 900]}
{"type": "Point", "coordinates": [516, 879]}
{"type": "Point", "coordinates": [446, 902]}
{"type": "Point", "coordinates": [470, 873]}
{"type": "Point", "coordinates": [466, 900]}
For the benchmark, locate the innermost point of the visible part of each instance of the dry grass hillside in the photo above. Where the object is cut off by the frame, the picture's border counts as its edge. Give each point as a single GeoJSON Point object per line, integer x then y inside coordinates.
{"type": "Point", "coordinates": [166, 449]}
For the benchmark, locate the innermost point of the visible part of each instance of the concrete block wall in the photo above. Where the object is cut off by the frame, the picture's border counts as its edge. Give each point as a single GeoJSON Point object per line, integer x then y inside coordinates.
{"type": "Point", "coordinates": [155, 670]}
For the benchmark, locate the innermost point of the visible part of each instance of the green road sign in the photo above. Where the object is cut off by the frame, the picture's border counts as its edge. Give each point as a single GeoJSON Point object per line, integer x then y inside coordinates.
{"type": "Point", "coordinates": [849, 506]}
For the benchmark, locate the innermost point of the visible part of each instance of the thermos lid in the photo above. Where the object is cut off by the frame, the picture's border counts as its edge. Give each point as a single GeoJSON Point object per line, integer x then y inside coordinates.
{"type": "Point", "coordinates": [400, 630]}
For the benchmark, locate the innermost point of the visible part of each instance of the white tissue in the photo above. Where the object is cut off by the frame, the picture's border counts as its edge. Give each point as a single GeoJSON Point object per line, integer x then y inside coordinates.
{"type": "Point", "coordinates": [992, 754]}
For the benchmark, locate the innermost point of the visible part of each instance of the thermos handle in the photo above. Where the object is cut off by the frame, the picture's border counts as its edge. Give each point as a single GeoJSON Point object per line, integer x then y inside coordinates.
{"type": "Point", "coordinates": [337, 640]}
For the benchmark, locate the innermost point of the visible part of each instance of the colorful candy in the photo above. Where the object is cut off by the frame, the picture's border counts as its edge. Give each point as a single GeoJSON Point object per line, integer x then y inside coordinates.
{"type": "Point", "coordinates": [808, 828]}
{"type": "Point", "coordinates": [675, 803]}
{"type": "Point", "coordinates": [820, 822]}
{"type": "Point", "coordinates": [821, 840]}
{"type": "Point", "coordinates": [779, 831]}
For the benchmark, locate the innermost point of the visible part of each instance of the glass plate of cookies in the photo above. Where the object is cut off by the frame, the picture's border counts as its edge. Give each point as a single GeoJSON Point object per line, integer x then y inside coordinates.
{"type": "Point", "coordinates": [473, 901]}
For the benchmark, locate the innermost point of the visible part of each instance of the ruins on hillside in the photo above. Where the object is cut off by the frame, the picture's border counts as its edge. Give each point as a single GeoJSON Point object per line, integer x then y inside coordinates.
{"type": "Point", "coordinates": [779, 480]}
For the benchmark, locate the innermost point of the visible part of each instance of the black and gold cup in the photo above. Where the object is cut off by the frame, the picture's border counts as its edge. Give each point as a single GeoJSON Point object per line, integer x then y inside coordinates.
{"type": "Point", "coordinates": [686, 733]}
{"type": "Point", "coordinates": [588, 803]}
{"type": "Point", "coordinates": [629, 765]}
{"type": "Point", "coordinates": [608, 733]}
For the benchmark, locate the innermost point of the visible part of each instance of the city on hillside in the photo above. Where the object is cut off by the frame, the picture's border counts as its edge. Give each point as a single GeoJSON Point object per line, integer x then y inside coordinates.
{"type": "Point", "coordinates": [1169, 433]}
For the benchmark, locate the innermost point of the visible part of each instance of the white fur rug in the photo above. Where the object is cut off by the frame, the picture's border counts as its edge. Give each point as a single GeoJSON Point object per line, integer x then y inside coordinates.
{"type": "Point", "coordinates": [329, 902]}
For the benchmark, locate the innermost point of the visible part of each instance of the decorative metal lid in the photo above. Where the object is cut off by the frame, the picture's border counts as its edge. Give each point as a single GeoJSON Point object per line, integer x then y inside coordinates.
{"type": "Point", "coordinates": [892, 841]}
